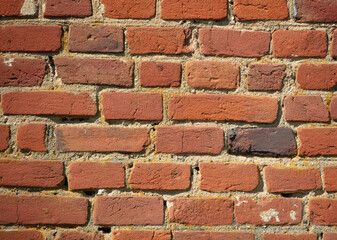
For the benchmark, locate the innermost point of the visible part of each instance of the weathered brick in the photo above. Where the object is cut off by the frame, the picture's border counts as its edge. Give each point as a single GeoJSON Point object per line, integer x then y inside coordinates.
{"type": "Point", "coordinates": [334, 44]}
{"type": "Point", "coordinates": [329, 236]}
{"type": "Point", "coordinates": [208, 235]}
{"type": "Point", "coordinates": [160, 74]}
{"type": "Point", "coordinates": [141, 235]}
{"type": "Point", "coordinates": [299, 43]}
{"type": "Point", "coordinates": [77, 235]}
{"type": "Point", "coordinates": [4, 137]}
{"type": "Point", "coordinates": [17, 8]}
{"type": "Point", "coordinates": [317, 76]}
{"type": "Point", "coordinates": [21, 235]}
{"type": "Point", "coordinates": [322, 211]}
{"type": "Point", "coordinates": [318, 141]}
{"type": "Point", "coordinates": [140, 9]}
{"type": "Point", "coordinates": [160, 176]}
{"type": "Point", "coordinates": [333, 108]}
{"type": "Point", "coordinates": [95, 71]}
{"type": "Point", "coordinates": [56, 103]}
{"type": "Point", "coordinates": [305, 109]}
{"type": "Point", "coordinates": [280, 236]}
{"type": "Point", "coordinates": [101, 139]}
{"type": "Point", "coordinates": [194, 9]}
{"type": "Point", "coordinates": [201, 211]}
{"type": "Point", "coordinates": [68, 8]}
{"type": "Point", "coordinates": [96, 175]}
{"type": "Point", "coordinates": [228, 176]}
{"type": "Point", "coordinates": [330, 178]}
{"type": "Point", "coordinates": [220, 107]}
{"type": "Point", "coordinates": [265, 77]}
{"type": "Point", "coordinates": [31, 137]}
{"type": "Point", "coordinates": [35, 209]}
{"type": "Point", "coordinates": [268, 211]}
{"type": "Point", "coordinates": [227, 42]}
{"type": "Point", "coordinates": [292, 179]}
{"type": "Point", "coordinates": [189, 140]}
{"type": "Point", "coordinates": [247, 10]}
{"type": "Point", "coordinates": [30, 38]}
{"type": "Point", "coordinates": [159, 40]}
{"type": "Point", "coordinates": [316, 11]}
{"type": "Point", "coordinates": [132, 106]}
{"type": "Point", "coordinates": [127, 210]}
{"type": "Point", "coordinates": [262, 141]}
{"type": "Point", "coordinates": [213, 75]}
{"type": "Point", "coordinates": [24, 72]}
{"type": "Point", "coordinates": [101, 39]}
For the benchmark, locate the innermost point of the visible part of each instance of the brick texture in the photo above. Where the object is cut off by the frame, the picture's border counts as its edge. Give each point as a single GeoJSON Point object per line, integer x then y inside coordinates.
{"type": "Point", "coordinates": [4, 137]}
{"type": "Point", "coordinates": [279, 236]}
{"type": "Point", "coordinates": [232, 235]}
{"type": "Point", "coordinates": [73, 235]}
{"type": "Point", "coordinates": [32, 137]}
{"type": "Point", "coordinates": [317, 76]}
{"type": "Point", "coordinates": [330, 178]}
{"type": "Point", "coordinates": [140, 9]}
{"type": "Point", "coordinates": [141, 235]}
{"type": "Point", "coordinates": [15, 8]}
{"type": "Point", "coordinates": [334, 44]}
{"type": "Point", "coordinates": [316, 11]}
{"type": "Point", "coordinates": [21, 234]}
{"type": "Point", "coordinates": [330, 236]}
{"type": "Point", "coordinates": [333, 108]}
{"type": "Point", "coordinates": [322, 211]}
{"type": "Point", "coordinates": [68, 8]}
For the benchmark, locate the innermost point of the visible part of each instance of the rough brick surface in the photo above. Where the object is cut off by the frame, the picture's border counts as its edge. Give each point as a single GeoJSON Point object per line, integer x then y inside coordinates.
{"type": "Point", "coordinates": [329, 236]}
{"type": "Point", "coordinates": [265, 77]}
{"type": "Point", "coordinates": [95, 71]}
{"type": "Point", "coordinates": [205, 235]}
{"type": "Point", "coordinates": [32, 137]}
{"type": "Point", "coordinates": [292, 179]}
{"type": "Point", "coordinates": [194, 9]}
{"type": "Point", "coordinates": [305, 109]}
{"type": "Point", "coordinates": [216, 107]}
{"type": "Point", "coordinates": [228, 176]}
{"type": "Point", "coordinates": [160, 74]}
{"type": "Point", "coordinates": [21, 235]}
{"type": "Point", "coordinates": [212, 75]}
{"type": "Point", "coordinates": [317, 76]}
{"type": "Point", "coordinates": [334, 44]}
{"type": "Point", "coordinates": [299, 43]}
{"type": "Point", "coordinates": [322, 211]}
{"type": "Point", "coordinates": [30, 38]}
{"type": "Point", "coordinates": [46, 210]}
{"type": "Point", "coordinates": [101, 39]}
{"type": "Point", "coordinates": [226, 42]}
{"type": "Point", "coordinates": [317, 141]}
{"type": "Point", "coordinates": [96, 175]}
{"type": "Point", "coordinates": [48, 103]}
{"type": "Point", "coordinates": [159, 40]}
{"type": "Point", "coordinates": [316, 11]}
{"type": "Point", "coordinates": [129, 9]}
{"type": "Point", "coordinates": [141, 235]}
{"type": "Point", "coordinates": [77, 235]}
{"type": "Point", "coordinates": [160, 176]}
{"type": "Point", "coordinates": [333, 108]}
{"type": "Point", "coordinates": [262, 141]}
{"type": "Point", "coordinates": [330, 178]}
{"type": "Point", "coordinates": [246, 10]}
{"type": "Point", "coordinates": [132, 106]}
{"type": "Point", "coordinates": [279, 236]}
{"type": "Point", "coordinates": [17, 8]}
{"type": "Point", "coordinates": [21, 71]}
{"type": "Point", "coordinates": [189, 140]}
{"type": "Point", "coordinates": [128, 210]}
{"type": "Point", "coordinates": [268, 211]}
{"type": "Point", "coordinates": [201, 211]}
{"type": "Point", "coordinates": [101, 139]}
{"type": "Point", "coordinates": [68, 8]}
{"type": "Point", "coordinates": [4, 137]}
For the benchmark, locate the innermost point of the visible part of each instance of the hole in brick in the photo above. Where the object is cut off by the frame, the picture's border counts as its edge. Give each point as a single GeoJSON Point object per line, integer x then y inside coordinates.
{"type": "Point", "coordinates": [104, 229]}
{"type": "Point", "coordinates": [286, 195]}
{"type": "Point", "coordinates": [165, 203]}
{"type": "Point", "coordinates": [130, 165]}
{"type": "Point", "coordinates": [89, 193]}
{"type": "Point", "coordinates": [65, 182]}
{"type": "Point", "coordinates": [196, 169]}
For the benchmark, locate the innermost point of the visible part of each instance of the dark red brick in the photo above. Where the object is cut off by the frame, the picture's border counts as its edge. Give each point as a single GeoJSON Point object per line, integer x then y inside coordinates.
{"type": "Point", "coordinates": [330, 178]}
{"type": "Point", "coordinates": [4, 137]}
{"type": "Point", "coordinates": [334, 44]}
{"type": "Point", "coordinates": [68, 8]}
{"type": "Point", "coordinates": [140, 9]}
{"type": "Point", "coordinates": [77, 235]}
{"type": "Point", "coordinates": [279, 236]}
{"type": "Point", "coordinates": [32, 137]}
{"type": "Point", "coordinates": [21, 235]}
{"type": "Point", "coordinates": [141, 235]}
{"type": "Point", "coordinates": [323, 211]}
{"type": "Point", "coordinates": [316, 11]}
{"type": "Point", "coordinates": [333, 108]}
{"type": "Point", "coordinates": [18, 8]}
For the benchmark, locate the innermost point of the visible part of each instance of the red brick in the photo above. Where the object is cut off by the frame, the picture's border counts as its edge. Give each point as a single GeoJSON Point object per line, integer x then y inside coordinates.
{"type": "Point", "coordinates": [20, 235]}
{"type": "Point", "coordinates": [77, 235]}
{"type": "Point", "coordinates": [228, 176]}
{"type": "Point", "coordinates": [92, 39]}
{"type": "Point", "coordinates": [194, 9]}
{"type": "Point", "coordinates": [316, 11]}
{"type": "Point", "coordinates": [96, 175]}
{"type": "Point", "coordinates": [279, 236]}
{"type": "Point", "coordinates": [323, 211]}
{"type": "Point", "coordinates": [220, 107]}
{"type": "Point", "coordinates": [333, 108]}
{"type": "Point", "coordinates": [141, 235]}
{"type": "Point", "coordinates": [17, 8]}
{"type": "Point", "coordinates": [201, 211]}
{"type": "Point", "coordinates": [330, 236]}
{"type": "Point", "coordinates": [101, 139]}
{"type": "Point", "coordinates": [4, 137]}
{"type": "Point", "coordinates": [56, 103]}
{"type": "Point", "coordinates": [35, 173]}
{"type": "Point", "coordinates": [160, 176]}
{"type": "Point", "coordinates": [30, 38]}
{"type": "Point", "coordinates": [334, 44]}
{"type": "Point", "coordinates": [317, 76]}
{"type": "Point", "coordinates": [31, 137]}
{"type": "Point", "coordinates": [268, 211]}
{"type": "Point", "coordinates": [68, 8]}
{"type": "Point", "coordinates": [132, 106]}
{"type": "Point", "coordinates": [318, 141]}
{"type": "Point", "coordinates": [213, 75]}
{"type": "Point", "coordinates": [227, 42]}
{"type": "Point", "coordinates": [159, 40]}
{"type": "Point", "coordinates": [299, 43]}
{"type": "Point", "coordinates": [140, 9]}
{"type": "Point", "coordinates": [265, 77]}
{"type": "Point", "coordinates": [205, 235]}
{"type": "Point", "coordinates": [305, 109]}
{"type": "Point", "coordinates": [247, 10]}
{"type": "Point", "coordinates": [36, 210]}
{"type": "Point", "coordinates": [95, 71]}
{"type": "Point", "coordinates": [292, 179]}
{"type": "Point", "coordinates": [189, 140]}
{"type": "Point", "coordinates": [23, 72]}
{"type": "Point", "coordinates": [127, 210]}
{"type": "Point", "coordinates": [160, 74]}
{"type": "Point", "coordinates": [330, 178]}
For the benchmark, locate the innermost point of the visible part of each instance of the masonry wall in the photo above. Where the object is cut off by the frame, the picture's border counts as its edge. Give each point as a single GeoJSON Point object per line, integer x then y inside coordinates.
{"type": "Point", "coordinates": [168, 119]}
